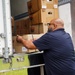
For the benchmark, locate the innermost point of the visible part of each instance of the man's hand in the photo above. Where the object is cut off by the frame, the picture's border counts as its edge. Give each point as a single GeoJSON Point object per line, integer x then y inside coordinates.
{"type": "Point", "coordinates": [19, 38]}
{"type": "Point", "coordinates": [27, 43]}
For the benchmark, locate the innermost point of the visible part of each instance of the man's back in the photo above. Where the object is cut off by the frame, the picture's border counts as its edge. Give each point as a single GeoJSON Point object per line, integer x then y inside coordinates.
{"type": "Point", "coordinates": [60, 44]}
{"type": "Point", "coordinates": [58, 52]}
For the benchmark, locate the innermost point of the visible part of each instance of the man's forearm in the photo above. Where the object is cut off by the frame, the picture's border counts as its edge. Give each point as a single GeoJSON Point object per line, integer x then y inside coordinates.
{"type": "Point", "coordinates": [28, 44]}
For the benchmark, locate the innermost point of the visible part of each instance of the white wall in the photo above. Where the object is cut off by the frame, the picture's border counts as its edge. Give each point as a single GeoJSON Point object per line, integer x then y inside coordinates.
{"type": "Point", "coordinates": [18, 7]}
{"type": "Point", "coordinates": [67, 13]}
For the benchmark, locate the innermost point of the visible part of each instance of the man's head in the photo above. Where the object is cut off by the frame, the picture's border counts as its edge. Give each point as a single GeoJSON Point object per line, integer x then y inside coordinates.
{"type": "Point", "coordinates": [55, 24]}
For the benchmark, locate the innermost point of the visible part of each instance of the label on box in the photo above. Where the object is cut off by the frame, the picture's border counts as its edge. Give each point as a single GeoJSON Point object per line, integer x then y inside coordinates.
{"type": "Point", "coordinates": [24, 49]}
{"type": "Point", "coordinates": [44, 6]}
{"type": "Point", "coordinates": [55, 6]}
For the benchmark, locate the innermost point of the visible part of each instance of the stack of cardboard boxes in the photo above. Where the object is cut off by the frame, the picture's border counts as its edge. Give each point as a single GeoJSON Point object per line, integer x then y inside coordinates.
{"type": "Point", "coordinates": [24, 27]}
{"type": "Point", "coordinates": [42, 11]}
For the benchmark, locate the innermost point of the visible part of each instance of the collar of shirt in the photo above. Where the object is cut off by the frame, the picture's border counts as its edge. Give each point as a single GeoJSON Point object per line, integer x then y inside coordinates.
{"type": "Point", "coordinates": [59, 29]}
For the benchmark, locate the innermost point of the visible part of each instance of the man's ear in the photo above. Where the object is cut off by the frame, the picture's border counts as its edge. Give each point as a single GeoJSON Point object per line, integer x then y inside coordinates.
{"type": "Point", "coordinates": [55, 26]}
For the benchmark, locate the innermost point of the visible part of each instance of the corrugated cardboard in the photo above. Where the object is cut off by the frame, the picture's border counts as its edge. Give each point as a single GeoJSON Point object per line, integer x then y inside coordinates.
{"type": "Point", "coordinates": [49, 15]}
{"type": "Point", "coordinates": [55, 2]}
{"type": "Point", "coordinates": [19, 48]}
{"type": "Point", "coordinates": [38, 29]}
{"type": "Point", "coordinates": [25, 27]}
{"type": "Point", "coordinates": [44, 16]}
{"type": "Point", "coordinates": [35, 5]}
{"type": "Point", "coordinates": [38, 17]}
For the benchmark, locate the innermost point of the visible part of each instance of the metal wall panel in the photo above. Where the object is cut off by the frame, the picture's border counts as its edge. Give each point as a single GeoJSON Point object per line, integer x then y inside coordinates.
{"type": "Point", "coordinates": [5, 29]}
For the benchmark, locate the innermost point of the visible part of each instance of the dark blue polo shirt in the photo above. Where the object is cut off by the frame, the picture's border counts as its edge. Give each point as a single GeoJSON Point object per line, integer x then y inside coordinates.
{"type": "Point", "coordinates": [58, 52]}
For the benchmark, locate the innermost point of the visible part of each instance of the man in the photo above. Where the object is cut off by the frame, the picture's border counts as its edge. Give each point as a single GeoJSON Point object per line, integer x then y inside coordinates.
{"type": "Point", "coordinates": [58, 49]}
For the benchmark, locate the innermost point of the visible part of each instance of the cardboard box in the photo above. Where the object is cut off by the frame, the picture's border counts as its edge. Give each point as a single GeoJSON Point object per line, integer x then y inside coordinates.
{"type": "Point", "coordinates": [35, 5]}
{"type": "Point", "coordinates": [51, 13]}
{"type": "Point", "coordinates": [28, 28]}
{"type": "Point", "coordinates": [55, 2]}
{"type": "Point", "coordinates": [19, 48]}
{"type": "Point", "coordinates": [38, 18]}
{"type": "Point", "coordinates": [22, 26]}
{"type": "Point", "coordinates": [44, 16]}
{"type": "Point", "coordinates": [51, 4]}
{"type": "Point", "coordinates": [39, 29]}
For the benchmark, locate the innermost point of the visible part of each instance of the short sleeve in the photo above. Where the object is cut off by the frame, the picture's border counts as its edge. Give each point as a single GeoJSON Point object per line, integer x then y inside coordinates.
{"type": "Point", "coordinates": [43, 43]}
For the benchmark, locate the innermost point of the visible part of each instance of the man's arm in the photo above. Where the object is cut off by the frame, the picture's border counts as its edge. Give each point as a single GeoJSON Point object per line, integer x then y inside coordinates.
{"type": "Point", "coordinates": [27, 43]}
